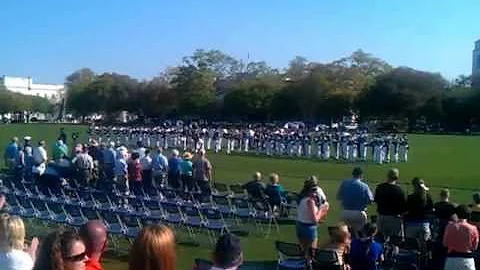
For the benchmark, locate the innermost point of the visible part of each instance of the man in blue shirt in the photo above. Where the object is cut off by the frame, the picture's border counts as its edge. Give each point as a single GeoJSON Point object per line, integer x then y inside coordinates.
{"type": "Point", "coordinates": [174, 170]}
{"type": "Point", "coordinates": [109, 156]}
{"type": "Point", "coordinates": [11, 154]}
{"type": "Point", "coordinates": [355, 196]}
{"type": "Point", "coordinates": [159, 167]}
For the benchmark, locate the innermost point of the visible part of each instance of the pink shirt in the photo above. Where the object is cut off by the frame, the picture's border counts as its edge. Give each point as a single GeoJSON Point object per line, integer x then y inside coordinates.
{"type": "Point", "coordinates": [461, 237]}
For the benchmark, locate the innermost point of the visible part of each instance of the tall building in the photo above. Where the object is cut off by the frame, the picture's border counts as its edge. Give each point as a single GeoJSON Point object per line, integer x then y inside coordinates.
{"type": "Point", "coordinates": [476, 59]}
{"type": "Point", "coordinates": [25, 86]}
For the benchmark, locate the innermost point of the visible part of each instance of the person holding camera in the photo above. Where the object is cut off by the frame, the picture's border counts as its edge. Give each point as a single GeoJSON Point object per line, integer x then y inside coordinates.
{"type": "Point", "coordinates": [312, 208]}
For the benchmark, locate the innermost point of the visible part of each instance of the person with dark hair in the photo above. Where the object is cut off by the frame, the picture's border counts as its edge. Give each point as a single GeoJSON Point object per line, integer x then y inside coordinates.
{"type": "Point", "coordinates": [134, 169]}
{"type": "Point", "coordinates": [391, 204]}
{"type": "Point", "coordinates": [153, 249]}
{"type": "Point", "coordinates": [476, 202]}
{"type": "Point", "coordinates": [311, 209]}
{"type": "Point", "coordinates": [419, 206]}
{"type": "Point", "coordinates": [62, 249]}
{"type": "Point", "coordinates": [365, 253]}
{"type": "Point", "coordinates": [228, 253]}
{"type": "Point", "coordinates": [94, 235]}
{"type": "Point", "coordinates": [355, 196]}
{"type": "Point", "coordinates": [460, 239]}
{"type": "Point", "coordinates": [444, 211]}
{"type": "Point", "coordinates": [146, 162]}
{"type": "Point", "coordinates": [339, 241]}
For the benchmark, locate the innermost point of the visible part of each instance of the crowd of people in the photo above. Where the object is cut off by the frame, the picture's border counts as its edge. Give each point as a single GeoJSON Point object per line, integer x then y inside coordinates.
{"type": "Point", "coordinates": [448, 231]}
{"type": "Point", "coordinates": [107, 165]}
{"type": "Point", "coordinates": [294, 140]}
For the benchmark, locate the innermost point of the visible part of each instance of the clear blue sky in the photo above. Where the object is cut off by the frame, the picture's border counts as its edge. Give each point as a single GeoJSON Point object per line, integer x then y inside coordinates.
{"type": "Point", "coordinates": [48, 39]}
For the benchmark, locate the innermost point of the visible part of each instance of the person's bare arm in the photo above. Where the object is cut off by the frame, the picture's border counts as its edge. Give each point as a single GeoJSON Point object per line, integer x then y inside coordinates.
{"type": "Point", "coordinates": [32, 249]}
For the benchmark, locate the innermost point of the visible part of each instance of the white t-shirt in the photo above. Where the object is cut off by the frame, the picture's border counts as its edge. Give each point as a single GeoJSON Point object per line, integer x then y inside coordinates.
{"type": "Point", "coordinates": [16, 260]}
{"type": "Point", "coordinates": [39, 155]}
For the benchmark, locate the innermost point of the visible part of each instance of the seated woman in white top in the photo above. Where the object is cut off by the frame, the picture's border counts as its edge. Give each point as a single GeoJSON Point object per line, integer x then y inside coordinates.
{"type": "Point", "coordinates": [12, 254]}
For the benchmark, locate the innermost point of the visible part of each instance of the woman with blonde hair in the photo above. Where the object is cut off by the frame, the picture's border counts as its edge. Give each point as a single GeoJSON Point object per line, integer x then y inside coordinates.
{"type": "Point", "coordinates": [153, 249]}
{"type": "Point", "coordinates": [13, 255]}
{"type": "Point", "coordinates": [339, 241]}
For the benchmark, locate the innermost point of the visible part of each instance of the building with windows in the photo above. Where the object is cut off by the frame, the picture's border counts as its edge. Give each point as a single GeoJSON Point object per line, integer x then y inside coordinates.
{"type": "Point", "coordinates": [476, 63]}
{"type": "Point", "coordinates": [26, 86]}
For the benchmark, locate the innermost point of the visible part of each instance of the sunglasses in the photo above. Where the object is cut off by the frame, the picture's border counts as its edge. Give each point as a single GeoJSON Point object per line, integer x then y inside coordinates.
{"type": "Point", "coordinates": [77, 258]}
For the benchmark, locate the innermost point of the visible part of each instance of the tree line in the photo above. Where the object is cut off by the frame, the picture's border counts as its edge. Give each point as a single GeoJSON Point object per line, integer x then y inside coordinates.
{"type": "Point", "coordinates": [16, 102]}
{"type": "Point", "coordinates": [212, 84]}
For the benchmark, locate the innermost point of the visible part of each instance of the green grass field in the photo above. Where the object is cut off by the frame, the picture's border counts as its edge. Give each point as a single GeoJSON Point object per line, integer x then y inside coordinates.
{"type": "Point", "coordinates": [443, 161]}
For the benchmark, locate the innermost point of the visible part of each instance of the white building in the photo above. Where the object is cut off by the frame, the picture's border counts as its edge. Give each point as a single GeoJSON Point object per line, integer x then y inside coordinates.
{"type": "Point", "coordinates": [53, 92]}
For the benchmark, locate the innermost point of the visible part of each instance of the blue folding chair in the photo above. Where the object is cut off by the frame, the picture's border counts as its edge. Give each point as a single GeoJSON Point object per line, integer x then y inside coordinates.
{"type": "Point", "coordinates": [222, 204]}
{"type": "Point", "coordinates": [76, 218]}
{"type": "Point", "coordinates": [289, 256]}
{"type": "Point", "coordinates": [193, 219]}
{"type": "Point", "coordinates": [41, 210]}
{"type": "Point", "coordinates": [214, 223]}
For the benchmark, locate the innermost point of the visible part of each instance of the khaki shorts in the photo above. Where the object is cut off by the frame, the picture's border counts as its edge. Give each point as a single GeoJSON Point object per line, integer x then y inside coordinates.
{"type": "Point", "coordinates": [355, 220]}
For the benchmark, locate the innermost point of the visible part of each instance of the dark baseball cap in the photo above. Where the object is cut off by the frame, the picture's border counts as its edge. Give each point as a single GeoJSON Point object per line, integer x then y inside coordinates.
{"type": "Point", "coordinates": [228, 251]}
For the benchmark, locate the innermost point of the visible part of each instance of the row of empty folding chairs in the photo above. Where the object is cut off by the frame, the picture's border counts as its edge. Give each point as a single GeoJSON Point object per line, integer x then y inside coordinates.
{"type": "Point", "coordinates": [72, 207]}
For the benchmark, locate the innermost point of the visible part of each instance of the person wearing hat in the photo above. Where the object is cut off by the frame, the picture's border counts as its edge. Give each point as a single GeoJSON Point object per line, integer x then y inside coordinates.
{"type": "Point", "coordinates": [355, 196]}
{"type": "Point", "coordinates": [419, 207]}
{"type": "Point", "coordinates": [186, 171]}
{"type": "Point", "coordinates": [11, 153]}
{"type": "Point", "coordinates": [228, 253]}
{"type": "Point", "coordinates": [311, 209]}
{"type": "Point", "coordinates": [391, 204]}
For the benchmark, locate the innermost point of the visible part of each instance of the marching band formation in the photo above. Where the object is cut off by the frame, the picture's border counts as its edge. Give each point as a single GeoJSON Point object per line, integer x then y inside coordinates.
{"type": "Point", "coordinates": [322, 144]}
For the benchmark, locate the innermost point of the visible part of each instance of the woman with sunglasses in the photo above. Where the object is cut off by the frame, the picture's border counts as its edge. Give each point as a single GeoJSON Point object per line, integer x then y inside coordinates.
{"type": "Point", "coordinates": [154, 249]}
{"type": "Point", "coordinates": [61, 250]}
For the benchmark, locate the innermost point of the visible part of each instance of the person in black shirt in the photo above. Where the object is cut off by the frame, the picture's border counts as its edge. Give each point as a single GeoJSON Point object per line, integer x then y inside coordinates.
{"type": "Point", "coordinates": [255, 188]}
{"type": "Point", "coordinates": [444, 211]}
{"type": "Point", "coordinates": [391, 204]}
{"type": "Point", "coordinates": [419, 207]}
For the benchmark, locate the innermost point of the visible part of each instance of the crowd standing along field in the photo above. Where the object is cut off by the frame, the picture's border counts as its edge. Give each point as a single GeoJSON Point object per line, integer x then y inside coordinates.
{"type": "Point", "coordinates": [443, 161]}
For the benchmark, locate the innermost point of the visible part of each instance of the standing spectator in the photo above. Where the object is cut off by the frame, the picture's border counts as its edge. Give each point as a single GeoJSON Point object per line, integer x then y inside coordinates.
{"type": "Point", "coordinates": [444, 211]}
{"type": "Point", "coordinates": [159, 167]}
{"type": "Point", "coordinates": [12, 254]}
{"type": "Point", "coordinates": [146, 163]}
{"type": "Point", "coordinates": [62, 249]}
{"type": "Point", "coordinates": [339, 241]}
{"type": "Point", "coordinates": [391, 204]}
{"type": "Point", "coordinates": [39, 161]}
{"type": "Point", "coordinates": [275, 192]}
{"type": "Point", "coordinates": [355, 196]}
{"type": "Point", "coordinates": [153, 249]}
{"type": "Point", "coordinates": [134, 169]}
{"type": "Point", "coordinates": [255, 188]}
{"type": "Point", "coordinates": [460, 239]}
{"type": "Point", "coordinates": [187, 172]}
{"type": "Point", "coordinates": [11, 153]}
{"type": "Point", "coordinates": [109, 157]}
{"type": "Point", "coordinates": [121, 172]}
{"type": "Point", "coordinates": [28, 164]}
{"type": "Point", "coordinates": [419, 206]}
{"type": "Point", "coordinates": [60, 150]}
{"type": "Point", "coordinates": [174, 170]}
{"type": "Point", "coordinates": [140, 149]}
{"type": "Point", "coordinates": [83, 164]}
{"type": "Point", "coordinates": [202, 172]}
{"type": "Point", "coordinates": [309, 213]}
{"type": "Point", "coordinates": [94, 235]}
{"type": "Point", "coordinates": [63, 135]}
{"type": "Point", "coordinates": [365, 252]}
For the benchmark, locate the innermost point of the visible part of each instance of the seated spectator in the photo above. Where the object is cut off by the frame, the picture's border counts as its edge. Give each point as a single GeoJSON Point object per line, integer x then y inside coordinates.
{"type": "Point", "coordinates": [153, 249]}
{"type": "Point", "coordinates": [228, 254]}
{"type": "Point", "coordinates": [444, 211]}
{"type": "Point", "coordinates": [419, 206]}
{"type": "Point", "coordinates": [460, 239]}
{"type": "Point", "coordinates": [275, 192]}
{"type": "Point", "coordinates": [339, 241]}
{"type": "Point", "coordinates": [62, 249]}
{"type": "Point", "coordinates": [12, 254]}
{"type": "Point", "coordinates": [365, 253]}
{"type": "Point", "coordinates": [94, 235]}
{"type": "Point", "coordinates": [255, 188]}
